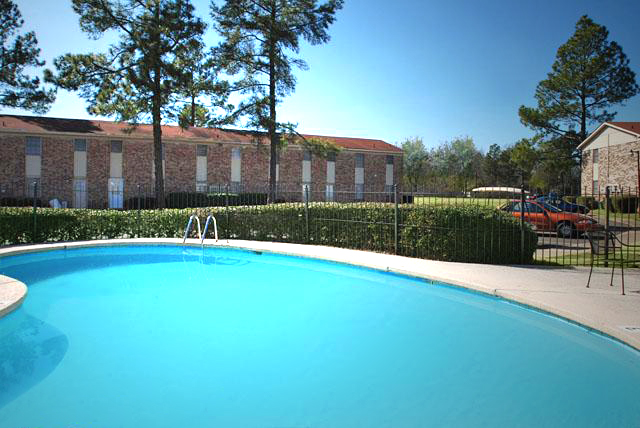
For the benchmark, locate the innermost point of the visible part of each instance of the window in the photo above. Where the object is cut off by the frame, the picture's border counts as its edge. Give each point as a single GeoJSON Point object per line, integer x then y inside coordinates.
{"type": "Point", "coordinates": [596, 156]}
{"type": "Point", "coordinates": [388, 188]}
{"type": "Point", "coordinates": [201, 150]}
{"type": "Point", "coordinates": [306, 192]}
{"type": "Point", "coordinates": [331, 157]}
{"type": "Point", "coordinates": [596, 189]}
{"type": "Point", "coordinates": [80, 145]}
{"type": "Point", "coordinates": [34, 146]}
{"type": "Point", "coordinates": [359, 160]}
{"type": "Point", "coordinates": [329, 194]}
{"type": "Point", "coordinates": [80, 193]}
{"type": "Point", "coordinates": [533, 208]}
{"type": "Point", "coordinates": [306, 156]}
{"type": "Point", "coordinates": [389, 159]}
{"type": "Point", "coordinates": [236, 159]}
{"type": "Point", "coordinates": [359, 192]}
{"type": "Point", "coordinates": [116, 147]}
{"type": "Point", "coordinates": [32, 185]}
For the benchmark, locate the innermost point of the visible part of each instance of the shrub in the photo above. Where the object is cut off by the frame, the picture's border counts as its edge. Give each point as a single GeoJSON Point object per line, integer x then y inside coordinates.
{"type": "Point", "coordinates": [588, 201]}
{"type": "Point", "coordinates": [624, 204]}
{"type": "Point", "coordinates": [10, 201]}
{"type": "Point", "coordinates": [143, 203]}
{"type": "Point", "coordinates": [451, 233]}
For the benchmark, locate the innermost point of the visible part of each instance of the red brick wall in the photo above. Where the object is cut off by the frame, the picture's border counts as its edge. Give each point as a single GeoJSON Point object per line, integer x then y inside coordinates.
{"type": "Point", "coordinates": [98, 155]}
{"type": "Point", "coordinates": [346, 171]}
{"type": "Point", "coordinates": [254, 168]}
{"type": "Point", "coordinates": [56, 176]}
{"type": "Point", "coordinates": [137, 165]}
{"type": "Point", "coordinates": [218, 164]}
{"type": "Point", "coordinates": [180, 167]}
{"type": "Point", "coordinates": [318, 178]}
{"type": "Point", "coordinates": [12, 165]}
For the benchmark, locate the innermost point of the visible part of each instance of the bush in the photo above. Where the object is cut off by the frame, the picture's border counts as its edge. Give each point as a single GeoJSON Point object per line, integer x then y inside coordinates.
{"type": "Point", "coordinates": [588, 201]}
{"type": "Point", "coordinates": [624, 204]}
{"type": "Point", "coordinates": [143, 203]}
{"type": "Point", "coordinates": [462, 233]}
{"type": "Point", "coordinates": [9, 201]}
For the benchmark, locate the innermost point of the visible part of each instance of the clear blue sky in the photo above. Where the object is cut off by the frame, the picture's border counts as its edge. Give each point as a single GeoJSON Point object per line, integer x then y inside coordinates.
{"type": "Point", "coordinates": [395, 69]}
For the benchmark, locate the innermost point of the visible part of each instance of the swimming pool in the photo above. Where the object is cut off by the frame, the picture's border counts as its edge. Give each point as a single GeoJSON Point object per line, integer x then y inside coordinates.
{"type": "Point", "coordinates": [168, 336]}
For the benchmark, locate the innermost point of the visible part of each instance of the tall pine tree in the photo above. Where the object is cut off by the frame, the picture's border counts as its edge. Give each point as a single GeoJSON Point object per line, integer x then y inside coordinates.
{"type": "Point", "coordinates": [590, 74]}
{"type": "Point", "coordinates": [142, 74]}
{"type": "Point", "coordinates": [258, 36]}
{"type": "Point", "coordinates": [17, 89]}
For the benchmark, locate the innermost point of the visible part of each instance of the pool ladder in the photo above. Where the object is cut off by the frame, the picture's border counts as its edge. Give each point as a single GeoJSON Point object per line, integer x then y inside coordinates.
{"type": "Point", "coordinates": [201, 234]}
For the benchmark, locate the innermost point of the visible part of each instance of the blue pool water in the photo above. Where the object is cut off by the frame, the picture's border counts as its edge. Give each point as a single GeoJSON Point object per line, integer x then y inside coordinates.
{"type": "Point", "coordinates": [172, 337]}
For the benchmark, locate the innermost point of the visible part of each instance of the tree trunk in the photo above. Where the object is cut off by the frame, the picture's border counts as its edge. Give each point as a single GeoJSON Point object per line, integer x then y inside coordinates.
{"type": "Point", "coordinates": [273, 136]}
{"type": "Point", "coordinates": [157, 146]}
{"type": "Point", "coordinates": [156, 118]}
{"type": "Point", "coordinates": [193, 110]}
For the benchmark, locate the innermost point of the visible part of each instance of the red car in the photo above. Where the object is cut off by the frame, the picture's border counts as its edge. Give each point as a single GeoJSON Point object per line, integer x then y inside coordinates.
{"type": "Point", "coordinates": [546, 217]}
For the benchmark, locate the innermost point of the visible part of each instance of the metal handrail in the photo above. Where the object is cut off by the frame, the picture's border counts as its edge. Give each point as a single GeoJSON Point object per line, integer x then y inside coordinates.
{"type": "Point", "coordinates": [206, 226]}
{"type": "Point", "coordinates": [188, 228]}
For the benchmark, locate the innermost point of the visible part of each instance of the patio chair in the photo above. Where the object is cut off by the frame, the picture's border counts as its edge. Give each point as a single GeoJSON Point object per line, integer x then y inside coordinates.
{"type": "Point", "coordinates": [609, 250]}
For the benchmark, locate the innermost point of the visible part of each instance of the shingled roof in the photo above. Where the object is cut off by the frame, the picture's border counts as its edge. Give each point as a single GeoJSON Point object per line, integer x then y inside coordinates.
{"type": "Point", "coordinates": [103, 128]}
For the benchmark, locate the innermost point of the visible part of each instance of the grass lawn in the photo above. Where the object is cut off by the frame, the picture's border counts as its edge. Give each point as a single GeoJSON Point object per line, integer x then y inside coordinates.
{"type": "Point", "coordinates": [632, 219]}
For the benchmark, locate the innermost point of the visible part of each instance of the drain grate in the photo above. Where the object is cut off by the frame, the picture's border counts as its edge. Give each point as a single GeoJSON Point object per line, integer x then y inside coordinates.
{"type": "Point", "coordinates": [631, 328]}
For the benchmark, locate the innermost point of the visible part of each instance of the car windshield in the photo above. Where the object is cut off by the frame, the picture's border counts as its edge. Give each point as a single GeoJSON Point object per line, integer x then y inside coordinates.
{"type": "Point", "coordinates": [550, 207]}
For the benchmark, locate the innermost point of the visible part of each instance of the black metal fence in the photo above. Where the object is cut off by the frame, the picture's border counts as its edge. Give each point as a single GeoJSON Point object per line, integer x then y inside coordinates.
{"type": "Point", "coordinates": [385, 220]}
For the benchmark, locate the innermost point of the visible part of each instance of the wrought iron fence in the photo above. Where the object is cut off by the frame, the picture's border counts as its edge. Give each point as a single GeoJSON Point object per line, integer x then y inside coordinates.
{"type": "Point", "coordinates": [386, 220]}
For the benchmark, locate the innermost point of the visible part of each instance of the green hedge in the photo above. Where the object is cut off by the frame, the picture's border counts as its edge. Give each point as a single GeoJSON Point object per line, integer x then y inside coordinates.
{"type": "Point", "coordinates": [588, 201]}
{"type": "Point", "coordinates": [463, 233]}
{"type": "Point", "coordinates": [624, 204]}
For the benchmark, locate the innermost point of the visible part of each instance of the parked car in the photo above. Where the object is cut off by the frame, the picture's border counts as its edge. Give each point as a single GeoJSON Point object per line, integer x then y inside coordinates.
{"type": "Point", "coordinates": [557, 201]}
{"type": "Point", "coordinates": [546, 217]}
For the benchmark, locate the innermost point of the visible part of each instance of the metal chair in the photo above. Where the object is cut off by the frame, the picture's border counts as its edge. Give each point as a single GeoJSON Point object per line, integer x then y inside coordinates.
{"type": "Point", "coordinates": [608, 247]}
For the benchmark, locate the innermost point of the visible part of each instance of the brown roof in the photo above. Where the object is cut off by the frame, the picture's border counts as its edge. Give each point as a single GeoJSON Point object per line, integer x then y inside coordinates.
{"type": "Point", "coordinates": [105, 128]}
{"type": "Point", "coordinates": [629, 126]}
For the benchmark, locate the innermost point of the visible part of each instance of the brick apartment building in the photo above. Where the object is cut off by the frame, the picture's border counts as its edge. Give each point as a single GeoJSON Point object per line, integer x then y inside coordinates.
{"type": "Point", "coordinates": [98, 164]}
{"type": "Point", "coordinates": [608, 160]}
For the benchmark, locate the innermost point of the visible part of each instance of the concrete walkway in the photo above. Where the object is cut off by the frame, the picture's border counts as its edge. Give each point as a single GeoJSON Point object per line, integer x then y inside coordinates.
{"type": "Point", "coordinates": [560, 291]}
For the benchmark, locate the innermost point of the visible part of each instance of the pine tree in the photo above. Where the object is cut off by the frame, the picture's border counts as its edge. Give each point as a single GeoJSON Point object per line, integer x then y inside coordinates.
{"type": "Point", "coordinates": [18, 52]}
{"type": "Point", "coordinates": [590, 74]}
{"type": "Point", "coordinates": [257, 37]}
{"type": "Point", "coordinates": [142, 74]}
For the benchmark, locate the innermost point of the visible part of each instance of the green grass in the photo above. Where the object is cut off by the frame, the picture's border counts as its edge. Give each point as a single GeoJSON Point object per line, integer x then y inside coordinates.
{"type": "Point", "coordinates": [631, 219]}
{"type": "Point", "coordinates": [631, 256]}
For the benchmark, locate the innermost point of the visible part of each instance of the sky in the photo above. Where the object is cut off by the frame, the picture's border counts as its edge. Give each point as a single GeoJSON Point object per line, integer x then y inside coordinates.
{"type": "Point", "coordinates": [403, 68]}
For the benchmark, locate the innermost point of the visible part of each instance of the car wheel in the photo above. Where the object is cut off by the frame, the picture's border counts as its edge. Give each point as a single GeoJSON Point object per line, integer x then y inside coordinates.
{"type": "Point", "coordinates": [565, 229]}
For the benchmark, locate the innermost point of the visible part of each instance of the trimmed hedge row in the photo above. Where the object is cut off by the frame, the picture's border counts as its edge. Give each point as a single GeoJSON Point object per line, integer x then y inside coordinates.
{"type": "Point", "coordinates": [462, 233]}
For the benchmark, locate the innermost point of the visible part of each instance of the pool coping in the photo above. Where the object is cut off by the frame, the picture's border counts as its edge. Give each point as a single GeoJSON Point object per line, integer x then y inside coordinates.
{"type": "Point", "coordinates": [557, 291]}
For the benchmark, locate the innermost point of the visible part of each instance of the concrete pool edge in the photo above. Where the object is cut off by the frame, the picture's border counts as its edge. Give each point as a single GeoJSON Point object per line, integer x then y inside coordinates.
{"type": "Point", "coordinates": [559, 292]}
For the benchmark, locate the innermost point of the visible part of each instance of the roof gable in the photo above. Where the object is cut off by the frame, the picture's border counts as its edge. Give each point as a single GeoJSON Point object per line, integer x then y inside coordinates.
{"type": "Point", "coordinates": [631, 128]}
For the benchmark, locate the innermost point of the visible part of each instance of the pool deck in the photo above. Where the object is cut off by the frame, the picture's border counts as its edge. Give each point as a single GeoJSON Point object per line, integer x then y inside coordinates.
{"type": "Point", "coordinates": [560, 291]}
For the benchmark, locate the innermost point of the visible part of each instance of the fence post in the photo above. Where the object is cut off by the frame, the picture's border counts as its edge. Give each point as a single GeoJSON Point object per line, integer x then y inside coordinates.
{"type": "Point", "coordinates": [395, 219]}
{"type": "Point", "coordinates": [138, 212]}
{"type": "Point", "coordinates": [522, 211]}
{"type": "Point", "coordinates": [226, 210]}
{"type": "Point", "coordinates": [607, 208]}
{"type": "Point", "coordinates": [35, 196]}
{"type": "Point", "coordinates": [306, 211]}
